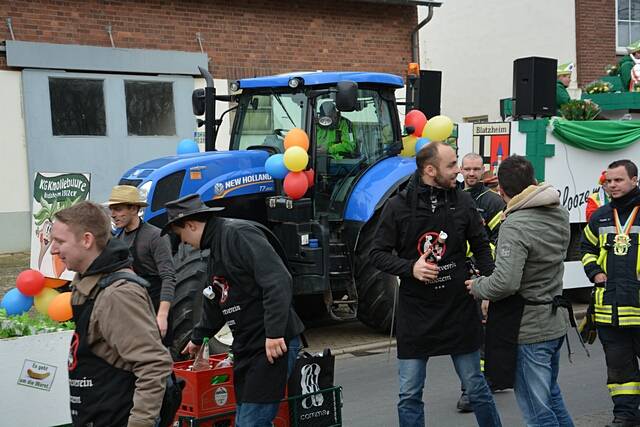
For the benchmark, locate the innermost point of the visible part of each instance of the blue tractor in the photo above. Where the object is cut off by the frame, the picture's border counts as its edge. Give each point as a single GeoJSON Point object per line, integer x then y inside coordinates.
{"type": "Point", "coordinates": [326, 235]}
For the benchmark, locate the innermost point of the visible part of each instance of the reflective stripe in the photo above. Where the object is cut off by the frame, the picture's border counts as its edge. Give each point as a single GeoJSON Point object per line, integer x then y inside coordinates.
{"type": "Point", "coordinates": [599, 299]}
{"type": "Point", "coordinates": [628, 311]}
{"type": "Point", "coordinates": [482, 365]}
{"type": "Point", "coordinates": [626, 388]}
{"type": "Point", "coordinates": [603, 309]}
{"type": "Point", "coordinates": [603, 318]}
{"type": "Point", "coordinates": [606, 230]}
{"type": "Point", "coordinates": [590, 236]}
{"type": "Point", "coordinates": [495, 221]}
{"type": "Point", "coordinates": [493, 250]}
{"type": "Point", "coordinates": [589, 258]}
{"type": "Point", "coordinates": [469, 254]}
{"type": "Point", "coordinates": [602, 258]}
{"type": "Point", "coordinates": [629, 321]}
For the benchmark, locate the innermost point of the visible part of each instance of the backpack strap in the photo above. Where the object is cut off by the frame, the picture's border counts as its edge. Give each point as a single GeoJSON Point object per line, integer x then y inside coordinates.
{"type": "Point", "coordinates": [110, 279]}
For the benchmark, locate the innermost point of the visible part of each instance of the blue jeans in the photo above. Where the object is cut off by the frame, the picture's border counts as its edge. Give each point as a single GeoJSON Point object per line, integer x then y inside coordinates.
{"type": "Point", "coordinates": [412, 373]}
{"type": "Point", "coordinates": [536, 385]}
{"type": "Point", "coordinates": [262, 414]}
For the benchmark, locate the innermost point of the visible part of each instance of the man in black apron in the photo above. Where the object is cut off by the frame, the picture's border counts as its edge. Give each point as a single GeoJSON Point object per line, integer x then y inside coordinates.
{"type": "Point", "coordinates": [421, 238]}
{"type": "Point", "coordinates": [249, 289]}
{"type": "Point", "coordinates": [525, 327]}
{"type": "Point", "coordinates": [117, 364]}
{"type": "Point", "coordinates": [151, 252]}
{"type": "Point", "coordinates": [610, 255]}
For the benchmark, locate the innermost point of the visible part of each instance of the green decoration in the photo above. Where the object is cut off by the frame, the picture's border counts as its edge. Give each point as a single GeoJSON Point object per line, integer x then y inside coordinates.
{"type": "Point", "coordinates": [537, 147]}
{"type": "Point", "coordinates": [599, 135]}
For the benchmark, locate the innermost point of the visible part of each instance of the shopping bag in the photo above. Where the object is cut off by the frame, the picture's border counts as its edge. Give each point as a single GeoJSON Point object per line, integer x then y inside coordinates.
{"type": "Point", "coordinates": [312, 372]}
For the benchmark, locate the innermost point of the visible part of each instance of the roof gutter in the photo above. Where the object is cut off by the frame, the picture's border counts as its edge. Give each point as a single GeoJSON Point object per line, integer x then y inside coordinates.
{"type": "Point", "coordinates": [415, 46]}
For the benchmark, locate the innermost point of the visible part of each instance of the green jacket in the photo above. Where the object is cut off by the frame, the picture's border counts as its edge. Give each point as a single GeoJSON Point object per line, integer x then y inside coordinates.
{"type": "Point", "coordinates": [624, 66]}
{"type": "Point", "coordinates": [328, 138]}
{"type": "Point", "coordinates": [562, 96]}
{"type": "Point", "coordinates": [530, 261]}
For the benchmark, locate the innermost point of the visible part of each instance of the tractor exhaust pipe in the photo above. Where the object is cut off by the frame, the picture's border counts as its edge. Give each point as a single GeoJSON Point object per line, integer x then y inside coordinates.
{"type": "Point", "coordinates": [209, 112]}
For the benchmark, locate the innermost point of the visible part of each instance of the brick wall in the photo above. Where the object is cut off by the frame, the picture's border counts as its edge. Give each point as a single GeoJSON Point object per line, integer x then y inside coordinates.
{"type": "Point", "coordinates": [595, 38]}
{"type": "Point", "coordinates": [242, 38]}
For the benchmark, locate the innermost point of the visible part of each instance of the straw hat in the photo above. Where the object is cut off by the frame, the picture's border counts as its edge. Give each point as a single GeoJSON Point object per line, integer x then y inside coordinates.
{"type": "Point", "coordinates": [126, 194]}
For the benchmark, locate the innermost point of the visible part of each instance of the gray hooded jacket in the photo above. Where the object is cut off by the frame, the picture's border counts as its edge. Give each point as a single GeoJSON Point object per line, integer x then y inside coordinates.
{"type": "Point", "coordinates": [530, 257]}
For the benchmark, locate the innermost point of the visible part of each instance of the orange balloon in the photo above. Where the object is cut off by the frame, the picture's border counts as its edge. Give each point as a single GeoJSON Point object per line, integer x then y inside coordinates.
{"type": "Point", "coordinates": [50, 282]}
{"type": "Point", "coordinates": [296, 138]}
{"type": "Point", "coordinates": [60, 308]}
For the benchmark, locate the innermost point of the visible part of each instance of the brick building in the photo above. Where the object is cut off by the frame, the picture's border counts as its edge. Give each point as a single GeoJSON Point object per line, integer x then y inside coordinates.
{"type": "Point", "coordinates": [62, 58]}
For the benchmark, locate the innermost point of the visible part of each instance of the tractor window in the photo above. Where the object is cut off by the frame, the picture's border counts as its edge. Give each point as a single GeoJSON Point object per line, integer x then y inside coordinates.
{"type": "Point", "coordinates": [348, 143]}
{"type": "Point", "coordinates": [264, 119]}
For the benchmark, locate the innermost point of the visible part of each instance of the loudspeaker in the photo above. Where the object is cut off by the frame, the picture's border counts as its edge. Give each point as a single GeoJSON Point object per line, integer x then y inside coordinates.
{"type": "Point", "coordinates": [429, 92]}
{"type": "Point", "coordinates": [534, 86]}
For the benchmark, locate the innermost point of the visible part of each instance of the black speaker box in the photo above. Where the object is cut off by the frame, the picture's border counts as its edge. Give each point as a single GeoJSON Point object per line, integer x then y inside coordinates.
{"type": "Point", "coordinates": [429, 92]}
{"type": "Point", "coordinates": [534, 86]}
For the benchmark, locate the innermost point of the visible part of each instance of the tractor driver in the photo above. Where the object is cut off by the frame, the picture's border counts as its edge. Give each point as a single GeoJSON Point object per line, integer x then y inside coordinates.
{"type": "Point", "coordinates": [334, 133]}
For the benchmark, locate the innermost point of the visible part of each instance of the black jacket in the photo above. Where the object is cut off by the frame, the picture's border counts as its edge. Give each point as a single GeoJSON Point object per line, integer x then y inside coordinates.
{"type": "Point", "coordinates": [436, 318]}
{"type": "Point", "coordinates": [490, 206]}
{"type": "Point", "coordinates": [243, 260]}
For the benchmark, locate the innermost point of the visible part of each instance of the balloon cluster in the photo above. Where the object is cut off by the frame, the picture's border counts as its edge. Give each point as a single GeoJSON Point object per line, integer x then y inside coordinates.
{"type": "Point", "coordinates": [291, 165]}
{"type": "Point", "coordinates": [438, 128]}
{"type": "Point", "coordinates": [32, 288]}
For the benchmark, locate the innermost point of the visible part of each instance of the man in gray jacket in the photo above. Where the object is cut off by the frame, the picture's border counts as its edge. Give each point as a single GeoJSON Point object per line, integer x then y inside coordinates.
{"type": "Point", "coordinates": [524, 291]}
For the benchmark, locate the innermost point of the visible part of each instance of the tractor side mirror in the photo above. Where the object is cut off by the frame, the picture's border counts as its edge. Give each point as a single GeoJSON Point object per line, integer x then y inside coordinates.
{"type": "Point", "coordinates": [347, 96]}
{"type": "Point", "coordinates": [197, 102]}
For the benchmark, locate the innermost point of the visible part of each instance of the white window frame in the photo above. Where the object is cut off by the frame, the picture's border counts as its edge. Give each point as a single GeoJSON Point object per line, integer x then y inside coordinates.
{"type": "Point", "coordinates": [622, 50]}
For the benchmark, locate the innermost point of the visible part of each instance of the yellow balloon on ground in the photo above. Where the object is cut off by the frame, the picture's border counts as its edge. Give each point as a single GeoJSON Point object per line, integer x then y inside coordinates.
{"type": "Point", "coordinates": [295, 159]}
{"type": "Point", "coordinates": [43, 299]}
{"type": "Point", "coordinates": [438, 128]}
{"type": "Point", "coordinates": [409, 146]}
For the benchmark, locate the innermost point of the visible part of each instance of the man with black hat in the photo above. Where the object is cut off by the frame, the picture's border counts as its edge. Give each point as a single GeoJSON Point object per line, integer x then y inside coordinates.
{"type": "Point", "coordinates": [249, 289]}
{"type": "Point", "coordinates": [151, 252]}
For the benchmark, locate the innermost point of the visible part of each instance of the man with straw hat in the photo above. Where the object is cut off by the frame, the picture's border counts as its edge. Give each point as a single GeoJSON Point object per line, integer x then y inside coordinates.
{"type": "Point", "coordinates": [151, 252]}
{"type": "Point", "coordinates": [629, 66]}
{"type": "Point", "coordinates": [564, 79]}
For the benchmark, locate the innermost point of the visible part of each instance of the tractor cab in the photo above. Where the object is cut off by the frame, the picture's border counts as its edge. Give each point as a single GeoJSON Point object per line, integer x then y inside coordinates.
{"type": "Point", "coordinates": [351, 126]}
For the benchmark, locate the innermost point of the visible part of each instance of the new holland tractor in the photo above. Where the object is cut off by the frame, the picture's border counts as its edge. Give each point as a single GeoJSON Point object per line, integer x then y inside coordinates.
{"type": "Point", "coordinates": [324, 236]}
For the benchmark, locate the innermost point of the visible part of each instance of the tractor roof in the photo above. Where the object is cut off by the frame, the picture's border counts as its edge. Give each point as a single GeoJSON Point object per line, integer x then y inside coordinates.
{"type": "Point", "coordinates": [317, 78]}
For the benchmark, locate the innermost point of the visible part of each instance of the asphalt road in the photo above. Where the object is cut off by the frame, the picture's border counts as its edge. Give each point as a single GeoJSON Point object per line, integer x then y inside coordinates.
{"type": "Point", "coordinates": [370, 392]}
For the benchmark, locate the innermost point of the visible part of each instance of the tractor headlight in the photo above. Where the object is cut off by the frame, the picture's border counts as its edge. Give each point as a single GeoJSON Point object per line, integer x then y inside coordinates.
{"type": "Point", "coordinates": [234, 86]}
{"type": "Point", "coordinates": [144, 190]}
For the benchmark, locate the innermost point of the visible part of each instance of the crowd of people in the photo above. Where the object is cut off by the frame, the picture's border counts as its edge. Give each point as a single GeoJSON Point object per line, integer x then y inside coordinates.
{"type": "Point", "coordinates": [480, 280]}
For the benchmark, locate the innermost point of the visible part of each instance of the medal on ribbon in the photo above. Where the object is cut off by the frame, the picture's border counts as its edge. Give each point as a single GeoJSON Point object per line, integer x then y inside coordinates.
{"type": "Point", "coordinates": [622, 241]}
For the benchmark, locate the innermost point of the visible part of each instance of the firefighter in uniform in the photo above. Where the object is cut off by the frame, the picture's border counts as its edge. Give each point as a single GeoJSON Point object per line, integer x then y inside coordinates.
{"type": "Point", "coordinates": [611, 259]}
{"type": "Point", "coordinates": [490, 206]}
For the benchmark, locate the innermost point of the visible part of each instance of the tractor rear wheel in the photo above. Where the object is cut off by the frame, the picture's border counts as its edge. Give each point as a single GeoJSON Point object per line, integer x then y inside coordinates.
{"type": "Point", "coordinates": [375, 288]}
{"type": "Point", "coordinates": [191, 278]}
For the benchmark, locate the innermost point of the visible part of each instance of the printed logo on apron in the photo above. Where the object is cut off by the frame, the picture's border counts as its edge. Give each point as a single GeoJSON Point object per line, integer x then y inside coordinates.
{"type": "Point", "coordinates": [429, 241]}
{"type": "Point", "coordinates": [221, 283]}
{"type": "Point", "coordinates": [72, 362]}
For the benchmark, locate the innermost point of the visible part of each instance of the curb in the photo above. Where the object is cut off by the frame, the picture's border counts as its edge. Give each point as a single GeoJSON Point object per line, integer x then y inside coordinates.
{"type": "Point", "coordinates": [376, 345]}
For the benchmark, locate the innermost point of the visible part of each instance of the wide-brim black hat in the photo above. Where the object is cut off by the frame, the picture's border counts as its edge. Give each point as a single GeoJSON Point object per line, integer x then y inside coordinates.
{"type": "Point", "coordinates": [185, 207]}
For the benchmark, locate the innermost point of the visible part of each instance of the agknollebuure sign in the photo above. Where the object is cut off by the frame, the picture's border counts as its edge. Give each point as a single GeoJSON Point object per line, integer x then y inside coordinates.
{"type": "Point", "coordinates": [53, 192]}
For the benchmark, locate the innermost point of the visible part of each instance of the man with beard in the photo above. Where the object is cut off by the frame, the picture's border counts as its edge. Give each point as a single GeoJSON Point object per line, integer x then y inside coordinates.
{"type": "Point", "coordinates": [610, 254]}
{"type": "Point", "coordinates": [151, 252]}
{"type": "Point", "coordinates": [436, 316]}
{"type": "Point", "coordinates": [118, 367]}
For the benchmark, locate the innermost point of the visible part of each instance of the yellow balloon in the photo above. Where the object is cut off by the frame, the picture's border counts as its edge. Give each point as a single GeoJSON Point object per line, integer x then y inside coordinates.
{"type": "Point", "coordinates": [295, 159]}
{"type": "Point", "coordinates": [409, 146]}
{"type": "Point", "coordinates": [438, 128]}
{"type": "Point", "coordinates": [43, 299]}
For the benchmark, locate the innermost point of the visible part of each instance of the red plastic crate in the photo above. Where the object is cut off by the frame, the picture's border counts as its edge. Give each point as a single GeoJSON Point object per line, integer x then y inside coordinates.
{"type": "Point", "coordinates": [201, 398]}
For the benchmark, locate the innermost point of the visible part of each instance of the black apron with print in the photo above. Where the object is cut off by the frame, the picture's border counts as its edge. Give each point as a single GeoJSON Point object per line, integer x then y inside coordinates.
{"type": "Point", "coordinates": [100, 394]}
{"type": "Point", "coordinates": [440, 317]}
{"type": "Point", "coordinates": [255, 379]}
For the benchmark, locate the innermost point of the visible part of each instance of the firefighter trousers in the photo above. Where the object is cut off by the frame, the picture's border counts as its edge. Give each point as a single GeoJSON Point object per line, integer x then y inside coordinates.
{"type": "Point", "coordinates": [622, 349]}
